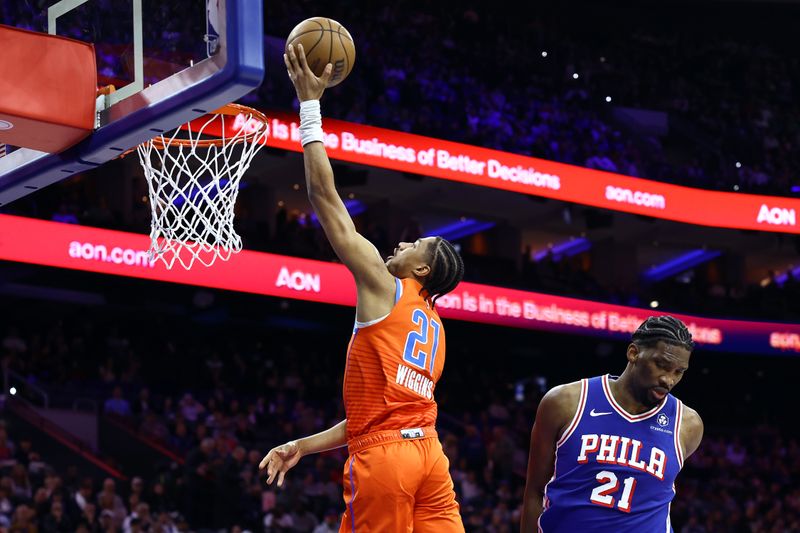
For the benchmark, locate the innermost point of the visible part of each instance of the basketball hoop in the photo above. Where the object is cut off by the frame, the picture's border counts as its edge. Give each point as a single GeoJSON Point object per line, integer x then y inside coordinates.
{"type": "Point", "coordinates": [193, 177]}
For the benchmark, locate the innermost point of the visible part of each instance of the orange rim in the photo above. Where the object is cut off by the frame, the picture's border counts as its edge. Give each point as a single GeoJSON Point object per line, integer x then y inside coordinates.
{"type": "Point", "coordinates": [161, 143]}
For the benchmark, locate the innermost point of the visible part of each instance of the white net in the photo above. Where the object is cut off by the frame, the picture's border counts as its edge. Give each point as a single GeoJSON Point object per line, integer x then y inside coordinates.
{"type": "Point", "coordinates": [193, 183]}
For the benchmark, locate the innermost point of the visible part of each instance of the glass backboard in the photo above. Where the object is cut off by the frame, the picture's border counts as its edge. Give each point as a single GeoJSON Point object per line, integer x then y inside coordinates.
{"type": "Point", "coordinates": [169, 62]}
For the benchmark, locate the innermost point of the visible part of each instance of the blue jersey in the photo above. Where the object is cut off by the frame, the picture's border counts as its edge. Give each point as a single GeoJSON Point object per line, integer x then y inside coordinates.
{"type": "Point", "coordinates": [614, 472]}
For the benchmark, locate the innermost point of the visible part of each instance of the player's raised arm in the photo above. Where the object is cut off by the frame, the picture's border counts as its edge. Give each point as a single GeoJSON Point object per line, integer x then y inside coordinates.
{"type": "Point", "coordinates": [555, 411]}
{"type": "Point", "coordinates": [356, 252]}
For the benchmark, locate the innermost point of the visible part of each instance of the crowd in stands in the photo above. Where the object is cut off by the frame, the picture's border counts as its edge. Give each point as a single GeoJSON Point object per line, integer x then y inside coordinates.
{"type": "Point", "coordinates": [220, 401]}
{"type": "Point", "coordinates": [542, 82]}
{"type": "Point", "coordinates": [537, 82]}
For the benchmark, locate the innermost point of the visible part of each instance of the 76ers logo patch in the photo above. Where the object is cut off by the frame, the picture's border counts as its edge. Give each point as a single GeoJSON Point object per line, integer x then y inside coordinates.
{"type": "Point", "coordinates": [662, 420]}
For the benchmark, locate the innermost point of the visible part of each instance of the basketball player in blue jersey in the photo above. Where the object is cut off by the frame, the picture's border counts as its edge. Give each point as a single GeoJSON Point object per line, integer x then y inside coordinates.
{"type": "Point", "coordinates": [605, 451]}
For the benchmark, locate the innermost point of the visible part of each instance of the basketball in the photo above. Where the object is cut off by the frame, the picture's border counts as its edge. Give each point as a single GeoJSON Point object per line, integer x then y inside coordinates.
{"type": "Point", "coordinates": [325, 41]}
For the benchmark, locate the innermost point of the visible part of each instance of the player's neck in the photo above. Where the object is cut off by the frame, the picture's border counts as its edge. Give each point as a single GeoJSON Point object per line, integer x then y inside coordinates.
{"type": "Point", "coordinates": [625, 395]}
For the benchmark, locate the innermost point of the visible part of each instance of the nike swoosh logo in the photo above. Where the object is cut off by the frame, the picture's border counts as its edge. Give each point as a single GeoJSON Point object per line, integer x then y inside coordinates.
{"type": "Point", "coordinates": [593, 413]}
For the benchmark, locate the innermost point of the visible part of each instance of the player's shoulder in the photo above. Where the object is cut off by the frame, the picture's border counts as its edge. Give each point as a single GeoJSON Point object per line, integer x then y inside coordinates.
{"type": "Point", "coordinates": [566, 390]}
{"type": "Point", "coordinates": [563, 398]}
{"type": "Point", "coordinates": [691, 417]}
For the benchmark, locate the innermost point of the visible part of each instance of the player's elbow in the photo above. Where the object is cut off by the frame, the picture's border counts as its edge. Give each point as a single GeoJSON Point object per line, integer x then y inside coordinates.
{"type": "Point", "coordinates": [534, 495]}
{"type": "Point", "coordinates": [320, 201]}
{"type": "Point", "coordinates": [318, 197]}
{"type": "Point", "coordinates": [317, 192]}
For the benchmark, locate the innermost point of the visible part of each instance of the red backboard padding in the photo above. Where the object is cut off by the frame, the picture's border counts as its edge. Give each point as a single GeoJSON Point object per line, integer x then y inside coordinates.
{"type": "Point", "coordinates": [48, 87]}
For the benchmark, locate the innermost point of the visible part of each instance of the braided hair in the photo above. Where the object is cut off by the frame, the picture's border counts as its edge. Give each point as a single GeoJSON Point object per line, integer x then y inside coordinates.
{"type": "Point", "coordinates": [447, 269]}
{"type": "Point", "coordinates": [663, 328]}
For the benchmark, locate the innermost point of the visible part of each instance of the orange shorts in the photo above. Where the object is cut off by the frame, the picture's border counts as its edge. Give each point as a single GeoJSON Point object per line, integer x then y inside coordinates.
{"type": "Point", "coordinates": [396, 483]}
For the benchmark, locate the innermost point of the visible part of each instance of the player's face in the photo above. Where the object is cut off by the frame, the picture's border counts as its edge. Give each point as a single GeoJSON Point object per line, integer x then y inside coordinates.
{"type": "Point", "coordinates": [410, 258]}
{"type": "Point", "coordinates": [659, 369]}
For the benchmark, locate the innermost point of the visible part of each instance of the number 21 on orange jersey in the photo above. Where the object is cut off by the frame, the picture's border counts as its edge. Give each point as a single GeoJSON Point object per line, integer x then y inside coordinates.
{"type": "Point", "coordinates": [418, 340]}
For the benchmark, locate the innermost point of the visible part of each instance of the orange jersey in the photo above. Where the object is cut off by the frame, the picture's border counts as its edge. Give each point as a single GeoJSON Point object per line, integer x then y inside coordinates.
{"type": "Point", "coordinates": [393, 365]}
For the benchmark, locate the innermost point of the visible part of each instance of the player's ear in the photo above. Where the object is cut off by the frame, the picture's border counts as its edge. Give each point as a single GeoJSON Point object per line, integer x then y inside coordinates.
{"type": "Point", "coordinates": [422, 270]}
{"type": "Point", "coordinates": [633, 353]}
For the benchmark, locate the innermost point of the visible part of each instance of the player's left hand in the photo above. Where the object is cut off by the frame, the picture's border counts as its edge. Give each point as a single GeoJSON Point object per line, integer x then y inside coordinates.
{"type": "Point", "coordinates": [307, 85]}
{"type": "Point", "coordinates": [279, 460]}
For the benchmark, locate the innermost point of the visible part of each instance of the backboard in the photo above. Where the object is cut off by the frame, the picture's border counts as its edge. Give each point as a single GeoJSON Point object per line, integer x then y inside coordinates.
{"type": "Point", "coordinates": [169, 62]}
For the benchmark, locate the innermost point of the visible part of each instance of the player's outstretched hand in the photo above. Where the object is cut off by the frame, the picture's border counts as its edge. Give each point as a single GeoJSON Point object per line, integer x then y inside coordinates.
{"type": "Point", "coordinates": [307, 85]}
{"type": "Point", "coordinates": [279, 460]}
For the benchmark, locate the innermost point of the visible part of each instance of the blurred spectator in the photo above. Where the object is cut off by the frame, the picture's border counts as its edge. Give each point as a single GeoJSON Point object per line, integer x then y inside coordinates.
{"type": "Point", "coordinates": [142, 406]}
{"type": "Point", "coordinates": [7, 448]}
{"type": "Point", "coordinates": [56, 520]}
{"type": "Point", "coordinates": [83, 495]}
{"type": "Point", "coordinates": [191, 409]}
{"type": "Point", "coordinates": [117, 404]}
{"type": "Point", "coordinates": [330, 523]}
{"type": "Point", "coordinates": [138, 520]}
{"type": "Point", "coordinates": [109, 500]}
{"type": "Point", "coordinates": [24, 520]}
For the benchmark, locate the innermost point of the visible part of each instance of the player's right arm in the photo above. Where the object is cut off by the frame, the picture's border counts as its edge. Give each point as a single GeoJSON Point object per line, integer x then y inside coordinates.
{"type": "Point", "coordinates": [356, 252]}
{"type": "Point", "coordinates": [691, 431]}
{"type": "Point", "coordinates": [282, 458]}
{"type": "Point", "coordinates": [555, 412]}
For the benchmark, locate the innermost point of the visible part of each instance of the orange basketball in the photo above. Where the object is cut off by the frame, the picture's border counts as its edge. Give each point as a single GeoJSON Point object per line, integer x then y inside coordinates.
{"type": "Point", "coordinates": [325, 41]}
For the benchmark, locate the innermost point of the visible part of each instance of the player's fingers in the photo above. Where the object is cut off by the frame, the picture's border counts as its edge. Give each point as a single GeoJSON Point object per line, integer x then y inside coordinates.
{"type": "Point", "coordinates": [281, 475]}
{"type": "Point", "coordinates": [327, 73]}
{"type": "Point", "coordinates": [292, 56]}
{"type": "Point", "coordinates": [301, 57]}
{"type": "Point", "coordinates": [265, 461]}
{"type": "Point", "coordinates": [272, 471]}
{"type": "Point", "coordinates": [288, 64]}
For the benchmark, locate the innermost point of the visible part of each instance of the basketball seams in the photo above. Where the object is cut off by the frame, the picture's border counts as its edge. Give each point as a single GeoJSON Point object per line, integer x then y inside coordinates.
{"type": "Point", "coordinates": [321, 28]}
{"type": "Point", "coordinates": [330, 48]}
{"type": "Point", "coordinates": [344, 49]}
{"type": "Point", "coordinates": [321, 36]}
{"type": "Point", "coordinates": [294, 38]}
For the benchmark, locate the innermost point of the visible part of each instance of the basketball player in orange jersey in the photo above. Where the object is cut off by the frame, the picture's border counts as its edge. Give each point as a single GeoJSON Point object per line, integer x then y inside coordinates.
{"type": "Point", "coordinates": [397, 476]}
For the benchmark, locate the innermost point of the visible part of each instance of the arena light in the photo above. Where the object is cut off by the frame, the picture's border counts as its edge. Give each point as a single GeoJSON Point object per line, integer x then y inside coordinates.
{"type": "Point", "coordinates": [781, 279]}
{"type": "Point", "coordinates": [463, 227]}
{"type": "Point", "coordinates": [679, 264]}
{"type": "Point", "coordinates": [564, 249]}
